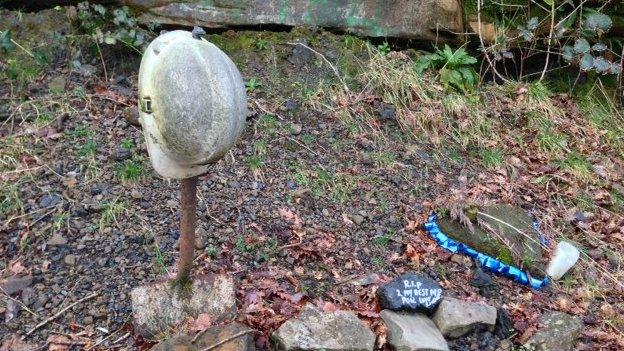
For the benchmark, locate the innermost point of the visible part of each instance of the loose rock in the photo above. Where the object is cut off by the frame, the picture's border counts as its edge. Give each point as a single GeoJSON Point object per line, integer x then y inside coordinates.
{"type": "Point", "coordinates": [410, 292]}
{"type": "Point", "coordinates": [295, 129]}
{"type": "Point", "coordinates": [559, 332]}
{"type": "Point", "coordinates": [357, 219]}
{"type": "Point", "coordinates": [159, 306]}
{"type": "Point", "coordinates": [521, 249]}
{"type": "Point", "coordinates": [131, 114]}
{"type": "Point", "coordinates": [413, 332]}
{"type": "Point", "coordinates": [240, 339]}
{"type": "Point", "coordinates": [316, 330]}
{"type": "Point", "coordinates": [13, 285]}
{"type": "Point", "coordinates": [50, 200]}
{"type": "Point", "coordinates": [70, 259]}
{"type": "Point", "coordinates": [122, 154]}
{"type": "Point", "coordinates": [455, 318]}
{"type": "Point", "coordinates": [57, 239]}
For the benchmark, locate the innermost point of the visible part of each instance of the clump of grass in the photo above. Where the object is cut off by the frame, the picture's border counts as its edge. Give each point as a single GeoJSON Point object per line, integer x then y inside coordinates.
{"type": "Point", "coordinates": [160, 261]}
{"type": "Point", "coordinates": [127, 143]}
{"type": "Point", "coordinates": [110, 211]}
{"type": "Point", "coordinates": [577, 165]}
{"type": "Point", "coordinates": [59, 219]}
{"type": "Point", "coordinates": [260, 147]}
{"type": "Point", "coordinates": [12, 151]}
{"type": "Point", "coordinates": [84, 136]}
{"type": "Point", "coordinates": [10, 200]}
{"type": "Point", "coordinates": [549, 140]}
{"type": "Point", "coordinates": [130, 170]}
{"type": "Point", "coordinates": [308, 138]}
{"type": "Point", "coordinates": [602, 112]}
{"type": "Point", "coordinates": [383, 240]}
{"type": "Point", "coordinates": [254, 163]}
{"type": "Point", "coordinates": [585, 203]}
{"type": "Point", "coordinates": [379, 262]}
{"type": "Point", "coordinates": [383, 159]}
{"type": "Point", "coordinates": [267, 123]}
{"type": "Point", "coordinates": [492, 157]}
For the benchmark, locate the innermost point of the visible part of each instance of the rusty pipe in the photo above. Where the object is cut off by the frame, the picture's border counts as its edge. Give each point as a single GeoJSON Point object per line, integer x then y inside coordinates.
{"type": "Point", "coordinates": [188, 206]}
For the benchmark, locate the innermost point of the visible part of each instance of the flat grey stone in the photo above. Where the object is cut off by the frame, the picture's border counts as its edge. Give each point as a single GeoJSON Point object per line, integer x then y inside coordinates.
{"type": "Point", "coordinates": [56, 239]}
{"type": "Point", "coordinates": [413, 332]}
{"type": "Point", "coordinates": [455, 318]}
{"type": "Point", "coordinates": [70, 259]}
{"type": "Point", "coordinates": [558, 332]}
{"type": "Point", "coordinates": [240, 336]}
{"type": "Point", "coordinates": [158, 307]}
{"type": "Point", "coordinates": [506, 243]}
{"type": "Point", "coordinates": [329, 331]}
{"type": "Point", "coordinates": [13, 285]}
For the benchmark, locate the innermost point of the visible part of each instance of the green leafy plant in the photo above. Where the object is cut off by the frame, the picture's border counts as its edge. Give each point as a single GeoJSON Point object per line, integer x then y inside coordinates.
{"type": "Point", "coordinates": [6, 43]}
{"type": "Point", "coordinates": [262, 44]}
{"type": "Point", "coordinates": [109, 27]}
{"type": "Point", "coordinates": [455, 67]}
{"type": "Point", "coordinates": [384, 48]}
{"type": "Point", "coordinates": [253, 84]}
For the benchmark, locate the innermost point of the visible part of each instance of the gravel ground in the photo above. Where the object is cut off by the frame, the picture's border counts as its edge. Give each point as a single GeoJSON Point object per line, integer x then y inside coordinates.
{"type": "Point", "coordinates": [300, 207]}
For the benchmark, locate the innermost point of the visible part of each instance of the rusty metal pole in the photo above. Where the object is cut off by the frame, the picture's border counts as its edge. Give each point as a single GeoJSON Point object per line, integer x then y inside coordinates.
{"type": "Point", "coordinates": [188, 206]}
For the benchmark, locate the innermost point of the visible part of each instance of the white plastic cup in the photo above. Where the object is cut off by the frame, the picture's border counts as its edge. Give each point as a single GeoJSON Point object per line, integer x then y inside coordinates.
{"type": "Point", "coordinates": [565, 257]}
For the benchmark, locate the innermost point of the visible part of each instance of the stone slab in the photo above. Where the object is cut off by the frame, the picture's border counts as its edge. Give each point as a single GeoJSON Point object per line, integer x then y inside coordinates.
{"type": "Point", "coordinates": [158, 307]}
{"type": "Point", "coordinates": [413, 332]}
{"type": "Point", "coordinates": [329, 331]}
{"type": "Point", "coordinates": [455, 317]}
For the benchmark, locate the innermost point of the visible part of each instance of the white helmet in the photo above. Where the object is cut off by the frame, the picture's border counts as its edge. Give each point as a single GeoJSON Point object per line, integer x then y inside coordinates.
{"type": "Point", "coordinates": [192, 104]}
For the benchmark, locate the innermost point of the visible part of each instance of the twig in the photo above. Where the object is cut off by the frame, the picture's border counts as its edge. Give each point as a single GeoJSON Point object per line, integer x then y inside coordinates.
{"type": "Point", "coordinates": [121, 338]}
{"type": "Point", "coordinates": [514, 228]}
{"type": "Point", "coordinates": [265, 110]}
{"type": "Point", "coordinates": [487, 56]}
{"type": "Point", "coordinates": [19, 302]}
{"type": "Point", "coordinates": [104, 339]}
{"type": "Point", "coordinates": [344, 85]}
{"type": "Point", "coordinates": [101, 59]}
{"type": "Point", "coordinates": [19, 46]}
{"type": "Point", "coordinates": [287, 246]}
{"type": "Point", "coordinates": [550, 37]}
{"type": "Point", "coordinates": [60, 313]}
{"type": "Point", "coordinates": [239, 334]}
{"type": "Point", "coordinates": [299, 143]}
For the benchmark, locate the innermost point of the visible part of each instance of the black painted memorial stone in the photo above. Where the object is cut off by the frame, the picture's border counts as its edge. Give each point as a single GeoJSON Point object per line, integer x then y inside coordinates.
{"type": "Point", "coordinates": [410, 292]}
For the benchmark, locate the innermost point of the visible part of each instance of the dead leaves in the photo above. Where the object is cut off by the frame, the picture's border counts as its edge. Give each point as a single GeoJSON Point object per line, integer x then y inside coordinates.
{"type": "Point", "coordinates": [15, 343]}
{"type": "Point", "coordinates": [290, 217]}
{"type": "Point", "coordinates": [201, 323]}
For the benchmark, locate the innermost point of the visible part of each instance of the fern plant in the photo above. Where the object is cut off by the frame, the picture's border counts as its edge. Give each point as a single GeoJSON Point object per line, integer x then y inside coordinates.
{"type": "Point", "coordinates": [455, 67]}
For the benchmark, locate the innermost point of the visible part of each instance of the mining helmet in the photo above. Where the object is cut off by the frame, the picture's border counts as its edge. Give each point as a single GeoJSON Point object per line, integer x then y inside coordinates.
{"type": "Point", "coordinates": [192, 103]}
